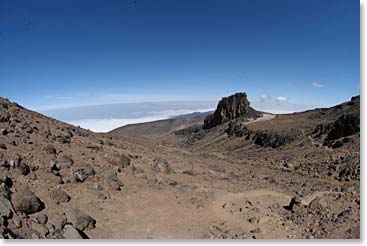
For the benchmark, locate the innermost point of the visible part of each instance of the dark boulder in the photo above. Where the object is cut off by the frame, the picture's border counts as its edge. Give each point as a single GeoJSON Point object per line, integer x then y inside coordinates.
{"type": "Point", "coordinates": [27, 202]}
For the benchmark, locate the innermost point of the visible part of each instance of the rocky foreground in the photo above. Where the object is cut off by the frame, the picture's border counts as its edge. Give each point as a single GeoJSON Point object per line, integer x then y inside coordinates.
{"type": "Point", "coordinates": [293, 176]}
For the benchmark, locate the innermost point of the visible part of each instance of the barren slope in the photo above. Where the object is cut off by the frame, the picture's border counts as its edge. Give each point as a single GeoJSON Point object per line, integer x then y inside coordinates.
{"type": "Point", "coordinates": [213, 187]}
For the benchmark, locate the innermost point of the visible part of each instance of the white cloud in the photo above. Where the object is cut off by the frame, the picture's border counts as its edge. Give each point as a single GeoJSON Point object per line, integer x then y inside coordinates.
{"type": "Point", "coordinates": [55, 102]}
{"type": "Point", "coordinates": [265, 98]}
{"type": "Point", "coordinates": [281, 99]}
{"type": "Point", "coordinates": [56, 97]}
{"type": "Point", "coordinates": [318, 85]}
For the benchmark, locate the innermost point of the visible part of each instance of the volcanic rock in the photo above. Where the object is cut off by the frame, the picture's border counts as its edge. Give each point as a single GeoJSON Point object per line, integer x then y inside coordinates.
{"type": "Point", "coordinates": [229, 108]}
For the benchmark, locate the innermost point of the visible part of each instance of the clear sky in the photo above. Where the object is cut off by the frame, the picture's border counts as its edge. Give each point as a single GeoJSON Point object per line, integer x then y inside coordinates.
{"type": "Point", "coordinates": [72, 53]}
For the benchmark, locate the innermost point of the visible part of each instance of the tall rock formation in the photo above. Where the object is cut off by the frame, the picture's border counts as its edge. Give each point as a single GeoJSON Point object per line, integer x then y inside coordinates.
{"type": "Point", "coordinates": [229, 108]}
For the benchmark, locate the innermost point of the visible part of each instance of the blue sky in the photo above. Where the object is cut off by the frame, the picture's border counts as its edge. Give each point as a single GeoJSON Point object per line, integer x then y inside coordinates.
{"type": "Point", "coordinates": [71, 53]}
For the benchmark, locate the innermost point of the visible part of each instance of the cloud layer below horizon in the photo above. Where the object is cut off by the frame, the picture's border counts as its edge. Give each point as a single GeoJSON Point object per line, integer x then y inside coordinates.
{"type": "Point", "coordinates": [104, 118]}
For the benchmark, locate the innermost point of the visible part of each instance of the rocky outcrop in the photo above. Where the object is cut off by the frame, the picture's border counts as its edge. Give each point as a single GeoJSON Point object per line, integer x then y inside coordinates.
{"type": "Point", "coordinates": [344, 126]}
{"type": "Point", "coordinates": [275, 139]}
{"type": "Point", "coordinates": [229, 108]}
{"type": "Point", "coordinates": [238, 130]}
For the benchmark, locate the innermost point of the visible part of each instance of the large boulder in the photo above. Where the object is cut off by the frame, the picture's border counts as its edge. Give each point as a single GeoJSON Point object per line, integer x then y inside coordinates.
{"type": "Point", "coordinates": [229, 108]}
{"type": "Point", "coordinates": [25, 201]}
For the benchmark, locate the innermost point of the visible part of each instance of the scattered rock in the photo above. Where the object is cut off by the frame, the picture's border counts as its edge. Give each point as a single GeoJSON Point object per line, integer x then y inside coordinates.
{"type": "Point", "coordinates": [254, 220]}
{"type": "Point", "coordinates": [85, 169]}
{"type": "Point", "coordinates": [256, 230]}
{"type": "Point", "coordinates": [161, 164]}
{"type": "Point", "coordinates": [42, 219]}
{"type": "Point", "coordinates": [319, 203]}
{"type": "Point", "coordinates": [17, 222]}
{"type": "Point", "coordinates": [24, 169]}
{"type": "Point", "coordinates": [58, 221]}
{"type": "Point", "coordinates": [59, 195]}
{"type": "Point", "coordinates": [3, 146]}
{"type": "Point", "coordinates": [39, 229]}
{"type": "Point", "coordinates": [71, 233]}
{"type": "Point", "coordinates": [80, 220]}
{"type": "Point", "coordinates": [103, 195]}
{"type": "Point", "coordinates": [3, 132]}
{"type": "Point", "coordinates": [294, 203]}
{"type": "Point", "coordinates": [4, 117]}
{"type": "Point", "coordinates": [50, 149]}
{"type": "Point", "coordinates": [6, 209]}
{"type": "Point", "coordinates": [164, 180]}
{"type": "Point", "coordinates": [112, 181]}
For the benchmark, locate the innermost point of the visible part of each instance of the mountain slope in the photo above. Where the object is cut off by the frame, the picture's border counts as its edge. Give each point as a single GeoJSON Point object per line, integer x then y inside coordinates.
{"type": "Point", "coordinates": [61, 181]}
{"type": "Point", "coordinates": [155, 129]}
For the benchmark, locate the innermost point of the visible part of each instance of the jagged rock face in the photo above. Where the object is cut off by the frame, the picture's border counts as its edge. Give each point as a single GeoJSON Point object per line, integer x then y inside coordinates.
{"type": "Point", "coordinates": [229, 108]}
{"type": "Point", "coordinates": [345, 125]}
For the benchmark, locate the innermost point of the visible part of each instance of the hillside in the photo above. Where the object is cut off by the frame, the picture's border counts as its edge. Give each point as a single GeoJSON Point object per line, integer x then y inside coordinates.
{"type": "Point", "coordinates": [159, 128]}
{"type": "Point", "coordinates": [284, 176]}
